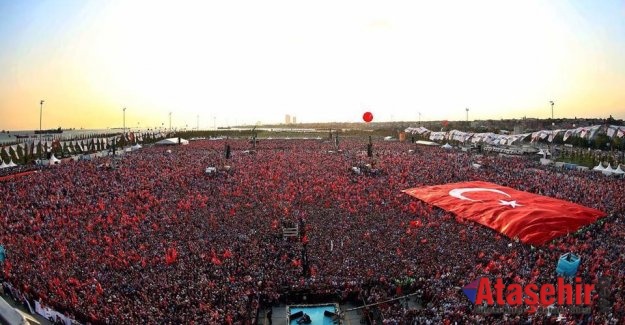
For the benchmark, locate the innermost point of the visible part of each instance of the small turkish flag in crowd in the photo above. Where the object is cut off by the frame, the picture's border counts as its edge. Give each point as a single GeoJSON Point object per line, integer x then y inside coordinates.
{"type": "Point", "coordinates": [532, 218]}
{"type": "Point", "coordinates": [171, 255]}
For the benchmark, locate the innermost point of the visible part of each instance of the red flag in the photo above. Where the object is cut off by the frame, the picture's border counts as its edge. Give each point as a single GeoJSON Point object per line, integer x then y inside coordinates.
{"type": "Point", "coordinates": [415, 223]}
{"type": "Point", "coordinates": [532, 218]}
{"type": "Point", "coordinates": [74, 298]}
{"type": "Point", "coordinates": [214, 259]}
{"type": "Point", "coordinates": [98, 288]}
{"type": "Point", "coordinates": [171, 255]}
{"type": "Point", "coordinates": [7, 268]}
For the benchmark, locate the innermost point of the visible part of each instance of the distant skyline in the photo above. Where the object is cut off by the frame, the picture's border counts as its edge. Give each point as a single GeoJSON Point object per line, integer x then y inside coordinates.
{"type": "Point", "coordinates": [239, 62]}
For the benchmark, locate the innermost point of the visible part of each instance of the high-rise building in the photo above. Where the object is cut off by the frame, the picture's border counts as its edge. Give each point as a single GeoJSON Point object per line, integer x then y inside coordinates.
{"type": "Point", "coordinates": [294, 120]}
{"type": "Point", "coordinates": [287, 119]}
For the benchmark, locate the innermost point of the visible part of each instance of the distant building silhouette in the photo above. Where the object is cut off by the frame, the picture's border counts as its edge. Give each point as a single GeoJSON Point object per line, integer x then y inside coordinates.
{"type": "Point", "coordinates": [294, 120]}
{"type": "Point", "coordinates": [287, 119]}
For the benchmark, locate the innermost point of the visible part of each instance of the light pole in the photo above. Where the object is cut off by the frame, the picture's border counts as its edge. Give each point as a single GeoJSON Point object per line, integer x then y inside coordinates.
{"type": "Point", "coordinates": [169, 122]}
{"type": "Point", "coordinates": [419, 118]}
{"type": "Point", "coordinates": [124, 121]}
{"type": "Point", "coordinates": [552, 103]}
{"type": "Point", "coordinates": [467, 109]}
{"type": "Point", "coordinates": [40, 114]}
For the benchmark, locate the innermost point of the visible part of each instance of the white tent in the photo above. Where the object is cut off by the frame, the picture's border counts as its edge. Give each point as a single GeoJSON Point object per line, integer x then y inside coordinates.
{"type": "Point", "coordinates": [54, 160]}
{"type": "Point", "coordinates": [172, 141]}
{"type": "Point", "coordinates": [610, 169]}
{"type": "Point", "coordinates": [3, 165]}
{"type": "Point", "coordinates": [619, 171]}
{"type": "Point", "coordinates": [11, 163]}
{"type": "Point", "coordinates": [136, 147]}
{"type": "Point", "coordinates": [426, 143]}
{"type": "Point", "coordinates": [446, 146]}
{"type": "Point", "coordinates": [599, 167]}
{"type": "Point", "coordinates": [544, 153]}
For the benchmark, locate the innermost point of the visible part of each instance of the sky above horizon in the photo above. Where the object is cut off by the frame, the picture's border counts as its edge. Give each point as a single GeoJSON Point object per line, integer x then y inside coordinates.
{"type": "Point", "coordinates": [242, 62]}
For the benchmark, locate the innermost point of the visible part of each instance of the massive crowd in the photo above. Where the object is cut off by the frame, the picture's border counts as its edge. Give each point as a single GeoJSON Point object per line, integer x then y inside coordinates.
{"type": "Point", "coordinates": [156, 240]}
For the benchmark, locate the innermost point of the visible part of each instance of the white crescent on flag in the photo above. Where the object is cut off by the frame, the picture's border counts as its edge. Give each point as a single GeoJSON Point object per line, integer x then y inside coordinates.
{"type": "Point", "coordinates": [458, 192]}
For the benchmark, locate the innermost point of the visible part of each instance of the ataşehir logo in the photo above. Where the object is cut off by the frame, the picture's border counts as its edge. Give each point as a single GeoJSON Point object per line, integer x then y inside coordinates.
{"type": "Point", "coordinates": [482, 292]}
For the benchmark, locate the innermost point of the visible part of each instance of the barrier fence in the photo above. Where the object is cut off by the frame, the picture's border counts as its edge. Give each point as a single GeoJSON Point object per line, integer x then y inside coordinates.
{"type": "Point", "coordinates": [36, 307]}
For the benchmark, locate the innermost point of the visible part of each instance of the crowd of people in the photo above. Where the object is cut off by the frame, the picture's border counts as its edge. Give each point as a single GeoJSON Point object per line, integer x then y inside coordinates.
{"type": "Point", "coordinates": [157, 240]}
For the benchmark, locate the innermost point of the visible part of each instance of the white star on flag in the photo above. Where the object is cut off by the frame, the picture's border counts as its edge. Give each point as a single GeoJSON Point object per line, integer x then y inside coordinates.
{"type": "Point", "coordinates": [510, 203]}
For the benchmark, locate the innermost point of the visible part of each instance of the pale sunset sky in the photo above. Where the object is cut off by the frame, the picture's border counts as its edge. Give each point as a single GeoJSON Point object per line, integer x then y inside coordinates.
{"type": "Point", "coordinates": [248, 61]}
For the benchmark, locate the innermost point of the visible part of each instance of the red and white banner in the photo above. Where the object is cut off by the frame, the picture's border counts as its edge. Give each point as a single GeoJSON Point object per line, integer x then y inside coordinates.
{"type": "Point", "coordinates": [532, 218]}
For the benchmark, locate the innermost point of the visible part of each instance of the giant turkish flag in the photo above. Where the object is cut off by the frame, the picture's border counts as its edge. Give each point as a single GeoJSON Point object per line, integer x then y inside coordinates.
{"type": "Point", "coordinates": [534, 219]}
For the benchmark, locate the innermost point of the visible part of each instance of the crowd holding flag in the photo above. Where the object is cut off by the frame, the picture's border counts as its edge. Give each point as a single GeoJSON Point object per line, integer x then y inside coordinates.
{"type": "Point", "coordinates": [533, 219]}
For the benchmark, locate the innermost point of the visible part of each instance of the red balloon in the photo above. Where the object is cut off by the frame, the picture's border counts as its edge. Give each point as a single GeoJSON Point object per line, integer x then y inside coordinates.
{"type": "Point", "coordinates": [367, 117]}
